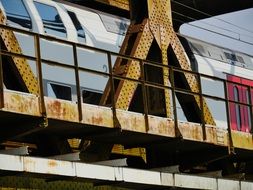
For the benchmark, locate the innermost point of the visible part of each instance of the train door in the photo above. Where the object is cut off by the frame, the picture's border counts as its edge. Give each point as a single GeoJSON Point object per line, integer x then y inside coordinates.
{"type": "Point", "coordinates": [240, 117]}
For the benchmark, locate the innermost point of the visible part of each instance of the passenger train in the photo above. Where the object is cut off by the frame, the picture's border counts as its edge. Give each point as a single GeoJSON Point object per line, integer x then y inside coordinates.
{"type": "Point", "coordinates": [98, 29]}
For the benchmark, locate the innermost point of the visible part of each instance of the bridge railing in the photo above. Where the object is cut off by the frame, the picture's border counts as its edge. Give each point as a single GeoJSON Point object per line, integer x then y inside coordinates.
{"type": "Point", "coordinates": [73, 70]}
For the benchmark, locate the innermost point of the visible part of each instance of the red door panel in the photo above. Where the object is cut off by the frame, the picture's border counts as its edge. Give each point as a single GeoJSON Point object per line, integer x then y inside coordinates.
{"type": "Point", "coordinates": [232, 107]}
{"type": "Point", "coordinates": [240, 119]}
{"type": "Point", "coordinates": [244, 109]}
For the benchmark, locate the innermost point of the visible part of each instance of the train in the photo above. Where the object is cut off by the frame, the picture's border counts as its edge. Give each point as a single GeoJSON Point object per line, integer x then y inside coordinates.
{"type": "Point", "coordinates": [98, 29]}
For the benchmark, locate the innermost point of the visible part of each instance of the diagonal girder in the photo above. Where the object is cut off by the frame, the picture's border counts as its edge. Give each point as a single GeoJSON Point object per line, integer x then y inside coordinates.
{"type": "Point", "coordinates": [158, 27]}
{"type": "Point", "coordinates": [139, 42]}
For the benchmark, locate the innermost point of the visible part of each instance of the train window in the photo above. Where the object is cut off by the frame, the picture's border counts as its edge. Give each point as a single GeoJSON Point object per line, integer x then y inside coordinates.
{"type": "Point", "coordinates": [230, 56]}
{"type": "Point", "coordinates": [114, 24]}
{"type": "Point", "coordinates": [52, 22]}
{"type": "Point", "coordinates": [248, 110]}
{"type": "Point", "coordinates": [59, 91]}
{"type": "Point", "coordinates": [91, 97]}
{"type": "Point", "coordinates": [78, 26]}
{"type": "Point", "coordinates": [240, 59]}
{"type": "Point", "coordinates": [237, 108]}
{"type": "Point", "coordinates": [198, 48]}
{"type": "Point", "coordinates": [16, 13]}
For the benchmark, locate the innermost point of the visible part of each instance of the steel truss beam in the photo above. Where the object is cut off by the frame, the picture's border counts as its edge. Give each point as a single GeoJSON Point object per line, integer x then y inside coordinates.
{"type": "Point", "coordinates": [138, 41]}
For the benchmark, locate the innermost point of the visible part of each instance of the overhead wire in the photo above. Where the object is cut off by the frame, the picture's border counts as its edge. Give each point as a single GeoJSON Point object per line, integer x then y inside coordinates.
{"type": "Point", "coordinates": [212, 31]}
{"type": "Point", "coordinates": [209, 15]}
{"type": "Point", "coordinates": [201, 21]}
{"type": "Point", "coordinates": [209, 30]}
{"type": "Point", "coordinates": [224, 35]}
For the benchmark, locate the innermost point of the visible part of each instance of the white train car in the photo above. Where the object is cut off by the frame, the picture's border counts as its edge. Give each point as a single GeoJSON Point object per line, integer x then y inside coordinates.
{"type": "Point", "coordinates": [237, 69]}
{"type": "Point", "coordinates": [85, 26]}
{"type": "Point", "coordinates": [105, 31]}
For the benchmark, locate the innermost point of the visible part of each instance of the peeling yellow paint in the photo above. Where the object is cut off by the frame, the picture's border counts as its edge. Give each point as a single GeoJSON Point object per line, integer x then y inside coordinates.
{"type": "Point", "coordinates": [242, 140]}
{"type": "Point", "coordinates": [191, 131]}
{"type": "Point", "coordinates": [28, 104]}
{"type": "Point", "coordinates": [97, 115]}
{"type": "Point", "coordinates": [21, 103]}
{"type": "Point", "coordinates": [61, 109]}
{"type": "Point", "coordinates": [161, 126]}
{"type": "Point", "coordinates": [131, 121]}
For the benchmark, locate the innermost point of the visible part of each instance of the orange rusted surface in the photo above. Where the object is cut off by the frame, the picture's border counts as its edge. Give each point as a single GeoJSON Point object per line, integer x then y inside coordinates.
{"type": "Point", "coordinates": [190, 131]}
{"type": "Point", "coordinates": [29, 164]}
{"type": "Point", "coordinates": [193, 131]}
{"type": "Point", "coordinates": [61, 109]}
{"type": "Point", "coordinates": [19, 102]}
{"type": "Point", "coordinates": [161, 126]}
{"type": "Point", "coordinates": [222, 137]}
{"type": "Point", "coordinates": [217, 136]}
{"type": "Point", "coordinates": [242, 140]}
{"type": "Point", "coordinates": [131, 121]}
{"type": "Point", "coordinates": [28, 104]}
{"type": "Point", "coordinates": [47, 166]}
{"type": "Point", "coordinates": [52, 163]}
{"type": "Point", "coordinates": [97, 115]}
{"type": "Point", "coordinates": [211, 134]}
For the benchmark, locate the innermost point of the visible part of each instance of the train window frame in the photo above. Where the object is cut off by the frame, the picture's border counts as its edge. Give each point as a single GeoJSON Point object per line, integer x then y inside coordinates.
{"type": "Point", "coordinates": [114, 24]}
{"type": "Point", "coordinates": [52, 92]}
{"type": "Point", "coordinates": [240, 59]}
{"type": "Point", "coordinates": [48, 29]}
{"type": "Point", "coordinates": [230, 56]}
{"type": "Point", "coordinates": [198, 48]}
{"type": "Point", "coordinates": [21, 7]}
{"type": "Point", "coordinates": [248, 94]}
{"type": "Point", "coordinates": [237, 108]}
{"type": "Point", "coordinates": [90, 97]}
{"type": "Point", "coordinates": [78, 26]}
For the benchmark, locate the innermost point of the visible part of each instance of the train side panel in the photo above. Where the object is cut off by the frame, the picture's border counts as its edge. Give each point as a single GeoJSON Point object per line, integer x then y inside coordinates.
{"type": "Point", "coordinates": [236, 68]}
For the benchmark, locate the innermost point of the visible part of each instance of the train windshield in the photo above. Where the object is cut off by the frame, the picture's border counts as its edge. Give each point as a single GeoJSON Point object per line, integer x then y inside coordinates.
{"type": "Point", "coordinates": [16, 13]}
{"type": "Point", "coordinates": [51, 19]}
{"type": "Point", "coordinates": [78, 26]}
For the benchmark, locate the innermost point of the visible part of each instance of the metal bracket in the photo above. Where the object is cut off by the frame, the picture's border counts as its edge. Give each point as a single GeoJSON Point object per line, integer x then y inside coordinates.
{"type": "Point", "coordinates": [20, 151]}
{"type": "Point", "coordinates": [67, 157]}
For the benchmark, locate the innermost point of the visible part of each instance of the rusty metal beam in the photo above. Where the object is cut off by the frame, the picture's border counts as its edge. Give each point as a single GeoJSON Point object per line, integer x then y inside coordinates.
{"type": "Point", "coordinates": [122, 4]}
{"type": "Point", "coordinates": [157, 27]}
{"type": "Point", "coordinates": [154, 26]}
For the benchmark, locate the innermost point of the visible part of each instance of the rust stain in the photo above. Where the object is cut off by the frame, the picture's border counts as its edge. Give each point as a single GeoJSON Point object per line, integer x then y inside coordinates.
{"type": "Point", "coordinates": [97, 120]}
{"type": "Point", "coordinates": [97, 115]}
{"type": "Point", "coordinates": [211, 135]}
{"type": "Point", "coordinates": [131, 121]}
{"type": "Point", "coordinates": [29, 165]}
{"type": "Point", "coordinates": [64, 111]}
{"type": "Point", "coordinates": [21, 102]}
{"type": "Point", "coordinates": [56, 107]}
{"type": "Point", "coordinates": [191, 131]}
{"type": "Point", "coordinates": [52, 164]}
{"type": "Point", "coordinates": [61, 109]}
{"type": "Point", "coordinates": [161, 126]}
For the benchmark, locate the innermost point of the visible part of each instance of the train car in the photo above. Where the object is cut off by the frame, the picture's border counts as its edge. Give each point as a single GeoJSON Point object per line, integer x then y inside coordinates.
{"type": "Point", "coordinates": [98, 29]}
{"type": "Point", "coordinates": [237, 69]}
{"type": "Point", "coordinates": [84, 26]}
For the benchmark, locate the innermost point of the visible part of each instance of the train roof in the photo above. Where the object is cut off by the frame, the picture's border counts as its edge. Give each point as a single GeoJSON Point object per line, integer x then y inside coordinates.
{"type": "Point", "coordinates": [213, 51]}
